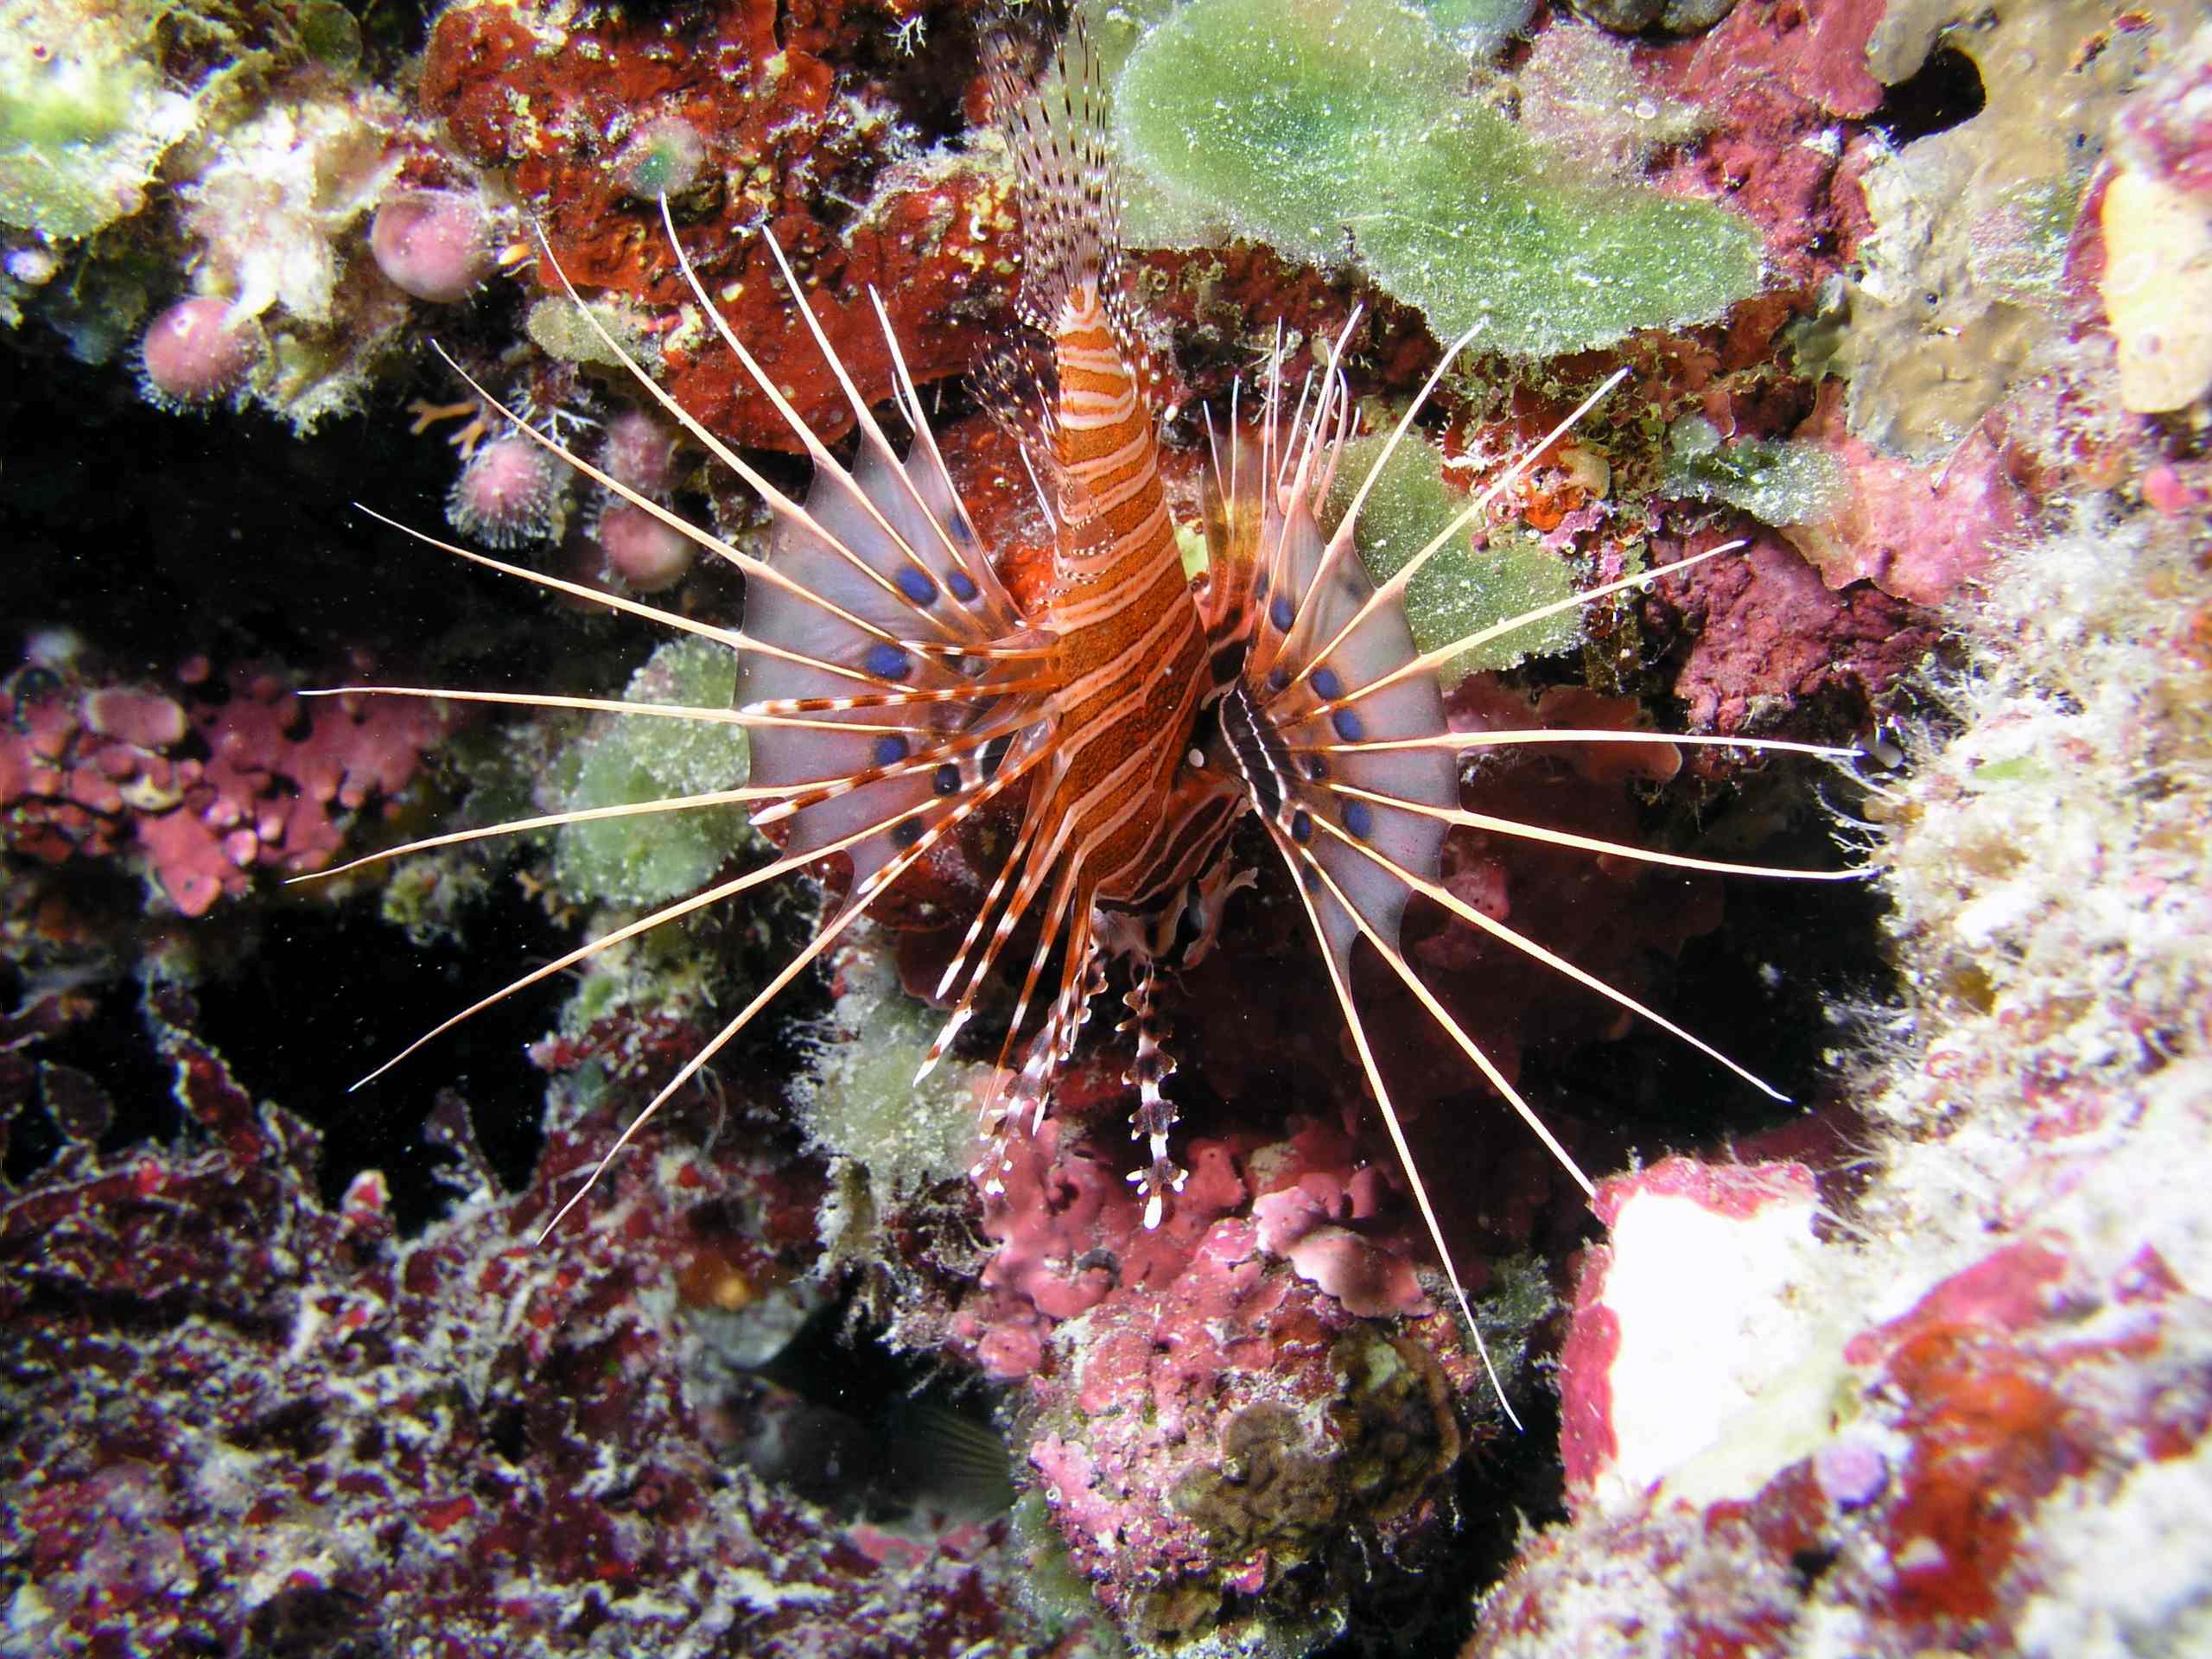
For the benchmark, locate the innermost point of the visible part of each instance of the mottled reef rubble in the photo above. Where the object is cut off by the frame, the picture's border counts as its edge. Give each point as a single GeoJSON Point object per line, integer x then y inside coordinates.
{"type": "Point", "coordinates": [1922, 1363]}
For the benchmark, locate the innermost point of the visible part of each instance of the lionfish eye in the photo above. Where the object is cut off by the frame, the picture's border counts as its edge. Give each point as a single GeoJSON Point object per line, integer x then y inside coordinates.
{"type": "Point", "coordinates": [1205, 728]}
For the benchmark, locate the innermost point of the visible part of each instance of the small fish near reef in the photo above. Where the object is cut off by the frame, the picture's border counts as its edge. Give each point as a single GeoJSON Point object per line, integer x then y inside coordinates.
{"type": "Point", "coordinates": [1128, 720]}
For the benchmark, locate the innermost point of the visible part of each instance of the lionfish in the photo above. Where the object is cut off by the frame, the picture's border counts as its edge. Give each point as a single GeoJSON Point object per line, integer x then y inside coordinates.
{"type": "Point", "coordinates": [893, 687]}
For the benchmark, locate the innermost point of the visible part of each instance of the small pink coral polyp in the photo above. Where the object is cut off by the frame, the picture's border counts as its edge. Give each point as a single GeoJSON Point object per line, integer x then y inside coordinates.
{"type": "Point", "coordinates": [194, 353]}
{"type": "Point", "coordinates": [639, 452]}
{"type": "Point", "coordinates": [644, 552]}
{"type": "Point", "coordinates": [507, 494]}
{"type": "Point", "coordinates": [434, 245]}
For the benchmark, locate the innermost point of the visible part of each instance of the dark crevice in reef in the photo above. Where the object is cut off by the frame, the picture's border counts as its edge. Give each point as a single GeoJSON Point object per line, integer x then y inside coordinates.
{"type": "Point", "coordinates": [1417, 1608]}
{"type": "Point", "coordinates": [304, 1621]}
{"type": "Point", "coordinates": [1762, 987]}
{"type": "Point", "coordinates": [926, 74]}
{"type": "Point", "coordinates": [1945, 91]}
{"type": "Point", "coordinates": [248, 548]}
{"type": "Point", "coordinates": [119, 1086]}
{"type": "Point", "coordinates": [330, 994]}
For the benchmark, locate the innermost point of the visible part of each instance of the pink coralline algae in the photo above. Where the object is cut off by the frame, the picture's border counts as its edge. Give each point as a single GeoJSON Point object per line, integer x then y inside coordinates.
{"type": "Point", "coordinates": [2015, 1398]}
{"type": "Point", "coordinates": [1917, 533]}
{"type": "Point", "coordinates": [268, 1426]}
{"type": "Point", "coordinates": [1769, 634]}
{"type": "Point", "coordinates": [1070, 1236]}
{"type": "Point", "coordinates": [208, 786]}
{"type": "Point", "coordinates": [1778, 77]}
{"type": "Point", "coordinates": [1240, 1390]}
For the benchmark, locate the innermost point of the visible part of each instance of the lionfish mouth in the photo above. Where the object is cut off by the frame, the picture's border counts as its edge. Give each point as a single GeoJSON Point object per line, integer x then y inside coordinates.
{"type": "Point", "coordinates": [893, 689]}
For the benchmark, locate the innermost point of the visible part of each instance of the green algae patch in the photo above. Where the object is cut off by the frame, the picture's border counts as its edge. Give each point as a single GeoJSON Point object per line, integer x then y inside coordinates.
{"type": "Point", "coordinates": [859, 1103]}
{"type": "Point", "coordinates": [559, 328]}
{"type": "Point", "coordinates": [85, 117]}
{"type": "Point", "coordinates": [1344, 129]}
{"type": "Point", "coordinates": [1462, 590]}
{"type": "Point", "coordinates": [625, 760]}
{"type": "Point", "coordinates": [1777, 481]}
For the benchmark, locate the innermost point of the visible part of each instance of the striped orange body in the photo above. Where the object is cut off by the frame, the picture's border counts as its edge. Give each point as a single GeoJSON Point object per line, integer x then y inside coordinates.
{"type": "Point", "coordinates": [1105, 823]}
{"type": "Point", "coordinates": [1131, 642]}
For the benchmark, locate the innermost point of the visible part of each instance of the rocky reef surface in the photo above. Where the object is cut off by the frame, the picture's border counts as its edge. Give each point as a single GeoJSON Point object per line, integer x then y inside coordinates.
{"type": "Point", "coordinates": [1911, 295]}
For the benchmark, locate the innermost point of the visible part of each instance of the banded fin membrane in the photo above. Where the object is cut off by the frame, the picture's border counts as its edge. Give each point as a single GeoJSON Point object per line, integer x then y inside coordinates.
{"type": "Point", "coordinates": [1337, 729]}
{"type": "Point", "coordinates": [889, 684]}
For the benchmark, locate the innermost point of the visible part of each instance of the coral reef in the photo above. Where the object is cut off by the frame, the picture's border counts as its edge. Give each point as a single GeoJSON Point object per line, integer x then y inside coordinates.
{"type": "Point", "coordinates": [1214, 1418]}
{"type": "Point", "coordinates": [581, 121]}
{"type": "Point", "coordinates": [1958, 1393]}
{"type": "Point", "coordinates": [277, 1426]}
{"type": "Point", "coordinates": [1908, 295]}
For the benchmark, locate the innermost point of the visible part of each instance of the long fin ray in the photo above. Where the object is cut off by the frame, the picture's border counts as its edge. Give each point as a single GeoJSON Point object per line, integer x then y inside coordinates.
{"type": "Point", "coordinates": [547, 821]}
{"type": "Point", "coordinates": [776, 502]}
{"type": "Point", "coordinates": [1340, 544]}
{"type": "Point", "coordinates": [612, 602]}
{"type": "Point", "coordinates": [1392, 592]}
{"type": "Point", "coordinates": [1340, 983]}
{"type": "Point", "coordinates": [852, 910]}
{"type": "Point", "coordinates": [1036, 869]}
{"type": "Point", "coordinates": [1551, 959]}
{"type": "Point", "coordinates": [1432, 660]}
{"type": "Point", "coordinates": [782, 867]}
{"type": "Point", "coordinates": [783, 506]}
{"type": "Point", "coordinates": [598, 706]}
{"type": "Point", "coordinates": [606, 941]}
{"type": "Point", "coordinates": [795, 798]}
{"type": "Point", "coordinates": [1467, 741]}
{"type": "Point", "coordinates": [898, 699]}
{"type": "Point", "coordinates": [967, 546]}
{"type": "Point", "coordinates": [871, 431]}
{"type": "Point", "coordinates": [826, 467]}
{"type": "Point", "coordinates": [1588, 843]}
